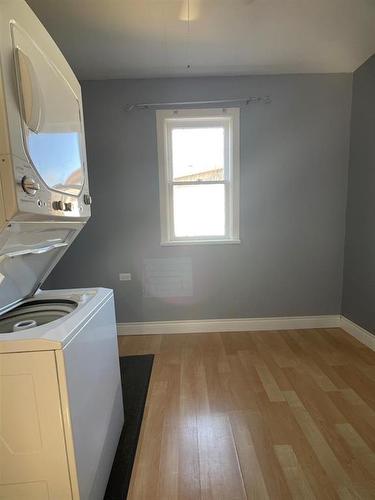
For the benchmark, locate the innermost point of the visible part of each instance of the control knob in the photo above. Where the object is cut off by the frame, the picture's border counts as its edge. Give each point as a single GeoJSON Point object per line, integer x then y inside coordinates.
{"type": "Point", "coordinates": [29, 185]}
{"type": "Point", "coordinates": [87, 200]}
{"type": "Point", "coordinates": [58, 205]}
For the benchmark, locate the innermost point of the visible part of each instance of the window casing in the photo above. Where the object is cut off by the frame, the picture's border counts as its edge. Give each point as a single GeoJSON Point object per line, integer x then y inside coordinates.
{"type": "Point", "coordinates": [208, 137]}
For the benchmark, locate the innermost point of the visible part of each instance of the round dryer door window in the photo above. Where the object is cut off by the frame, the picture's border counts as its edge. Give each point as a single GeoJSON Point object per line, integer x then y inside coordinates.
{"type": "Point", "coordinates": [51, 116]}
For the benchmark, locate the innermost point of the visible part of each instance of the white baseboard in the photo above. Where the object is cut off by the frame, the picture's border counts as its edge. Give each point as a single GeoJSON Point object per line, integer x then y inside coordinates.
{"type": "Point", "coordinates": [228, 325]}
{"type": "Point", "coordinates": [248, 325]}
{"type": "Point", "coordinates": [358, 332]}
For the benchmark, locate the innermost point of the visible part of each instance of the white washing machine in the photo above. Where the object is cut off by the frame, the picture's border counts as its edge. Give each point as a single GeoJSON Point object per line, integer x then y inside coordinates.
{"type": "Point", "coordinates": [61, 401]}
{"type": "Point", "coordinates": [60, 390]}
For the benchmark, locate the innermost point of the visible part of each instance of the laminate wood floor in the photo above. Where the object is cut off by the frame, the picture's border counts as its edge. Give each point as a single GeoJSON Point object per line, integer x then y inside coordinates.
{"type": "Point", "coordinates": [260, 415]}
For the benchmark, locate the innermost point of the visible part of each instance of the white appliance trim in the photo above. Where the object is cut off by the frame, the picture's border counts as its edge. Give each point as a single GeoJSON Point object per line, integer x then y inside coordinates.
{"type": "Point", "coordinates": [228, 325]}
{"type": "Point", "coordinates": [65, 415]}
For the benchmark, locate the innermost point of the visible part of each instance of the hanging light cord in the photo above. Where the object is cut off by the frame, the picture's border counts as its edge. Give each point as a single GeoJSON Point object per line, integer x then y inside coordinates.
{"type": "Point", "coordinates": [188, 33]}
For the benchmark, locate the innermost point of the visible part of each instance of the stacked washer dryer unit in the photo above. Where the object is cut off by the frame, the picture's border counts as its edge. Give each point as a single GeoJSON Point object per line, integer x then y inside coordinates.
{"type": "Point", "coordinates": [60, 388]}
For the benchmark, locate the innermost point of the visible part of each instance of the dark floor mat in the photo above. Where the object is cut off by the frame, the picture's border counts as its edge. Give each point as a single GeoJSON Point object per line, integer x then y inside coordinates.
{"type": "Point", "coordinates": [135, 377]}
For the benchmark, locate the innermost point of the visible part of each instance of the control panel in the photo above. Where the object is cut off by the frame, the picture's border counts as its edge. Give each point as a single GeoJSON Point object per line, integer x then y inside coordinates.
{"type": "Point", "coordinates": [36, 199]}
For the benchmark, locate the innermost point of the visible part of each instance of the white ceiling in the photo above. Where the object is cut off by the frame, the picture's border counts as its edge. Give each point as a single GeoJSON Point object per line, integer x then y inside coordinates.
{"type": "Point", "coordinates": [148, 38]}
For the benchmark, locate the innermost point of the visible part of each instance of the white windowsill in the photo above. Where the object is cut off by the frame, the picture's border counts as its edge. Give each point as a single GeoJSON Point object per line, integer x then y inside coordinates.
{"type": "Point", "coordinates": [172, 243]}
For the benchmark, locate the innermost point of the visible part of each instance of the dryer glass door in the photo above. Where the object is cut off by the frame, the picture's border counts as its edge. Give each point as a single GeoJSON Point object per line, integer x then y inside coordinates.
{"type": "Point", "coordinates": [51, 117]}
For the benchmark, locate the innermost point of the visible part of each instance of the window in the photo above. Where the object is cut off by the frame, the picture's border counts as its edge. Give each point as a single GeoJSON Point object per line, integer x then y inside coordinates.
{"type": "Point", "coordinates": [199, 175]}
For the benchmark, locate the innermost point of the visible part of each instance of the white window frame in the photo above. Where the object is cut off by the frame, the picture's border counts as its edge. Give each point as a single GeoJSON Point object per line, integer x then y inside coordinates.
{"type": "Point", "coordinates": [166, 121]}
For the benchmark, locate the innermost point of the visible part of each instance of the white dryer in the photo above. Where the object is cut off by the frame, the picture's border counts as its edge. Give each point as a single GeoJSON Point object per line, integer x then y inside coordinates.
{"type": "Point", "coordinates": [60, 389]}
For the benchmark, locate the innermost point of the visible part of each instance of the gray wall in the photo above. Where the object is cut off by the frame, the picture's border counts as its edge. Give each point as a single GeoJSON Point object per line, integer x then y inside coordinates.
{"type": "Point", "coordinates": [294, 160]}
{"type": "Point", "coordinates": [359, 276]}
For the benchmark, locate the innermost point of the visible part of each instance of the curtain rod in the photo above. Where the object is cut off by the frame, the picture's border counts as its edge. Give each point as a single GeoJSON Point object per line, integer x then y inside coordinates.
{"type": "Point", "coordinates": [246, 100]}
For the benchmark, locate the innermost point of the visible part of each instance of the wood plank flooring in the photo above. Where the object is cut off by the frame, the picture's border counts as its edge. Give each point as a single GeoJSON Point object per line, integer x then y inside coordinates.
{"type": "Point", "coordinates": [260, 415]}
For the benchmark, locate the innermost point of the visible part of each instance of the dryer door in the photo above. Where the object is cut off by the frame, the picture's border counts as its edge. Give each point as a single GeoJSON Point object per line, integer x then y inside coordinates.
{"type": "Point", "coordinates": [52, 126]}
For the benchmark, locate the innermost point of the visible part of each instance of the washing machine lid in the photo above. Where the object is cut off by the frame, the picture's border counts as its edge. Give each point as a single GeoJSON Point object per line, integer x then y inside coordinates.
{"type": "Point", "coordinates": [28, 253]}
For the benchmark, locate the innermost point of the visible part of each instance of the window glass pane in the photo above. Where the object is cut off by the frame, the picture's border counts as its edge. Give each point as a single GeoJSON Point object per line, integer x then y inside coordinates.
{"type": "Point", "coordinates": [198, 154]}
{"type": "Point", "coordinates": [199, 210]}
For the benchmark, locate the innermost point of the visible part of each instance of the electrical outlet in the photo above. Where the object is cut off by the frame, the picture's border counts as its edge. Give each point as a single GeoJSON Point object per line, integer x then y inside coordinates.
{"type": "Point", "coordinates": [125, 276]}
